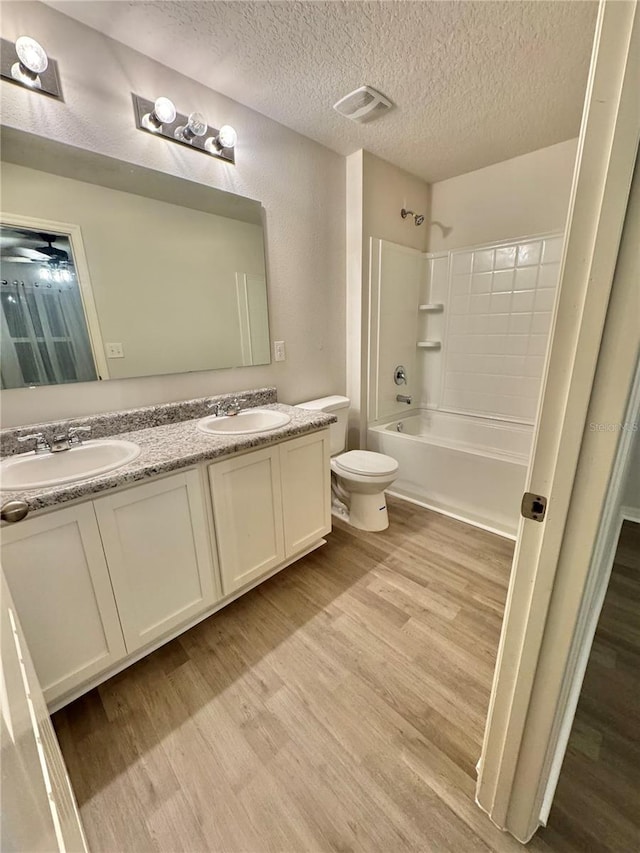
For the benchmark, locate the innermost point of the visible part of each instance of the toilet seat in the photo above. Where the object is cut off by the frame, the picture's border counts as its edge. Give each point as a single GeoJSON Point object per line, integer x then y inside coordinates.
{"type": "Point", "coordinates": [366, 463]}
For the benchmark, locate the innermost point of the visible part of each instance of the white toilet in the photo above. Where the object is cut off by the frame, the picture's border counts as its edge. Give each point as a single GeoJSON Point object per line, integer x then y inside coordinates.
{"type": "Point", "coordinates": [359, 477]}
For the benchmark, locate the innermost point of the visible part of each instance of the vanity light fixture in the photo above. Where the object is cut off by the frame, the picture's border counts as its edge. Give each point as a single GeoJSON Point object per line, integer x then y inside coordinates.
{"type": "Point", "coordinates": [27, 64]}
{"type": "Point", "coordinates": [160, 118]}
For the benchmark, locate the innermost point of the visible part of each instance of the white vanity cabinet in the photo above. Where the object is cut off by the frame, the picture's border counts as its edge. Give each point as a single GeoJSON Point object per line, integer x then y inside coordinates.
{"type": "Point", "coordinates": [57, 573]}
{"type": "Point", "coordinates": [100, 582]}
{"type": "Point", "coordinates": [156, 541]}
{"type": "Point", "coordinates": [270, 505]}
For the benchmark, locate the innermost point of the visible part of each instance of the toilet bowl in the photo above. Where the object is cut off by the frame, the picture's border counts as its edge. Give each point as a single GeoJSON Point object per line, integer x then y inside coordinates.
{"type": "Point", "coordinates": [363, 477]}
{"type": "Point", "coordinates": [358, 477]}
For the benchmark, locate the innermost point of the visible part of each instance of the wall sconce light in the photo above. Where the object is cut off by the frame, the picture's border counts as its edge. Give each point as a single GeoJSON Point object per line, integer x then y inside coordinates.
{"type": "Point", "coordinates": [161, 118]}
{"type": "Point", "coordinates": [27, 64]}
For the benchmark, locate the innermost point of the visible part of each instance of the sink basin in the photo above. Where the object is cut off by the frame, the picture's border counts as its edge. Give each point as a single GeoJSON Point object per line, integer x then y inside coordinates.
{"type": "Point", "coordinates": [31, 471]}
{"type": "Point", "coordinates": [247, 421]}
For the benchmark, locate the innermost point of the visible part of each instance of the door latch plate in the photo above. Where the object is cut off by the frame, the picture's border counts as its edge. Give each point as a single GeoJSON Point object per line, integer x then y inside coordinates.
{"type": "Point", "coordinates": [533, 506]}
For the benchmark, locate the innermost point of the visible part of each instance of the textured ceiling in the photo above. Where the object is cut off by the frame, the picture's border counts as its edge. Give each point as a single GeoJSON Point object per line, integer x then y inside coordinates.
{"type": "Point", "coordinates": [474, 82]}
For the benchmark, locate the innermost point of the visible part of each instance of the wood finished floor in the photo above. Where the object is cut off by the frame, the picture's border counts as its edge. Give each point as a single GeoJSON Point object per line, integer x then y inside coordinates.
{"type": "Point", "coordinates": [597, 802]}
{"type": "Point", "coordinates": [340, 706]}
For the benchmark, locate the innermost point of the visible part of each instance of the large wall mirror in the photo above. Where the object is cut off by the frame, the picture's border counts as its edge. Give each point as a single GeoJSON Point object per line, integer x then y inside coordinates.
{"type": "Point", "coordinates": [111, 271]}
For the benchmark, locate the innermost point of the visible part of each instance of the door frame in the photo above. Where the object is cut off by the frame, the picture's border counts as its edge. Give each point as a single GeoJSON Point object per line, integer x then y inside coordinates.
{"type": "Point", "coordinates": [552, 558]}
{"type": "Point", "coordinates": [74, 233]}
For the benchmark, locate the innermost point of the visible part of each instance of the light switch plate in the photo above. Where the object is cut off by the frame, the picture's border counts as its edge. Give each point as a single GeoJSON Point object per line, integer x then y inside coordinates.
{"type": "Point", "coordinates": [279, 351]}
{"type": "Point", "coordinates": [114, 350]}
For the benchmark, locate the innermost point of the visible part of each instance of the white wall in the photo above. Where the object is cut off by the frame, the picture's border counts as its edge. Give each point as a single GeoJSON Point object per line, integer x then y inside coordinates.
{"type": "Point", "coordinates": [521, 197]}
{"type": "Point", "coordinates": [376, 193]}
{"type": "Point", "coordinates": [300, 183]}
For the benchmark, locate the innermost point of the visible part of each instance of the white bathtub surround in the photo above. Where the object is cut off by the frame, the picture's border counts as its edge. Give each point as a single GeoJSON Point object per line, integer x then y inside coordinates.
{"type": "Point", "coordinates": [501, 299]}
{"type": "Point", "coordinates": [467, 467]}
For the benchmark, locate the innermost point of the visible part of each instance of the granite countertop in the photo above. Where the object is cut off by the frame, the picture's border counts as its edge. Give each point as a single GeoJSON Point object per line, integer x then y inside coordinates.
{"type": "Point", "coordinates": [170, 447]}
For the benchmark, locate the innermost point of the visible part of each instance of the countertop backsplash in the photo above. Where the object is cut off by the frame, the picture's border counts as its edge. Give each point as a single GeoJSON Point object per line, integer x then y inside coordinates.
{"type": "Point", "coordinates": [131, 420]}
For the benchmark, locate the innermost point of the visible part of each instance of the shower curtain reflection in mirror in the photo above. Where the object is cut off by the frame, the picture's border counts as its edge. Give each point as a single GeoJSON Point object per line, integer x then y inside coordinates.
{"type": "Point", "coordinates": [44, 337]}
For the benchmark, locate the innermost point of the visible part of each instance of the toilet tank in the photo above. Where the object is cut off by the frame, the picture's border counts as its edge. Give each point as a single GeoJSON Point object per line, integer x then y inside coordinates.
{"type": "Point", "coordinates": [338, 406]}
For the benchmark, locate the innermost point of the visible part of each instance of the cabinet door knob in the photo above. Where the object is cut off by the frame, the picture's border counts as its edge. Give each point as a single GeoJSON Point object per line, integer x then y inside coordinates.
{"type": "Point", "coordinates": [14, 511]}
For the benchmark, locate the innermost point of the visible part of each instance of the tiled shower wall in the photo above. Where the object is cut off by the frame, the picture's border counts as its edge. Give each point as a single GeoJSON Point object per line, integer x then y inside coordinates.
{"type": "Point", "coordinates": [499, 310]}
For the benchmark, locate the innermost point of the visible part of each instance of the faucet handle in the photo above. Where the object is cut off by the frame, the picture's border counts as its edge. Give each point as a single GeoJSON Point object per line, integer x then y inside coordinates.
{"type": "Point", "coordinates": [217, 408]}
{"type": "Point", "coordinates": [42, 445]}
{"type": "Point", "coordinates": [75, 434]}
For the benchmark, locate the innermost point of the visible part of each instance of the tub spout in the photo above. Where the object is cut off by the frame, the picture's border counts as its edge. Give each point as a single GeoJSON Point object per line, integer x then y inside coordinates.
{"type": "Point", "coordinates": [403, 398]}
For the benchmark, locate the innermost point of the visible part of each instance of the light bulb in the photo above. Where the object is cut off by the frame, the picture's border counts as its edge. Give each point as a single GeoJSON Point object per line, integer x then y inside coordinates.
{"type": "Point", "coordinates": [227, 137]}
{"type": "Point", "coordinates": [195, 126]}
{"type": "Point", "coordinates": [32, 62]}
{"type": "Point", "coordinates": [164, 112]}
{"type": "Point", "coordinates": [31, 54]}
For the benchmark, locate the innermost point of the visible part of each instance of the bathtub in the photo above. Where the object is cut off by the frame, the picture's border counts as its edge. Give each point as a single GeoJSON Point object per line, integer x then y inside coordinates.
{"type": "Point", "coordinates": [471, 468]}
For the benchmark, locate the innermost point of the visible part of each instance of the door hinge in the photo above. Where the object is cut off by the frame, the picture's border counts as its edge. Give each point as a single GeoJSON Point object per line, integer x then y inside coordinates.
{"type": "Point", "coordinates": [533, 506]}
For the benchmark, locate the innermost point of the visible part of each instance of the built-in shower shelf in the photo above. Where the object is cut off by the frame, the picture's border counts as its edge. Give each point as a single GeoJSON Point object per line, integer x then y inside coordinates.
{"type": "Point", "coordinates": [431, 306]}
{"type": "Point", "coordinates": [429, 344]}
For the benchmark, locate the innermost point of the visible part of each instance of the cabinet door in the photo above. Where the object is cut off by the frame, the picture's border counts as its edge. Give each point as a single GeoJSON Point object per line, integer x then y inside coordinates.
{"type": "Point", "coordinates": [247, 506]}
{"type": "Point", "coordinates": [57, 574]}
{"type": "Point", "coordinates": [306, 490]}
{"type": "Point", "coordinates": [155, 537]}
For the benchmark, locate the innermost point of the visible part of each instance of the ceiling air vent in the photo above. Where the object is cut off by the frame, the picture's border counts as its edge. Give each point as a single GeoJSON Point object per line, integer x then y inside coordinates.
{"type": "Point", "coordinates": [363, 104]}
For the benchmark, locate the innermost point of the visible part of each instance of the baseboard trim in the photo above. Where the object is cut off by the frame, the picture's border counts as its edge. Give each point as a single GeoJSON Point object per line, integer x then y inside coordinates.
{"type": "Point", "coordinates": [456, 516]}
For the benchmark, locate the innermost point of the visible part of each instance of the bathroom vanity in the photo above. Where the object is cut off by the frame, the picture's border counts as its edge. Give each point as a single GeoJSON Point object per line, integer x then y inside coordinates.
{"type": "Point", "coordinates": [104, 570]}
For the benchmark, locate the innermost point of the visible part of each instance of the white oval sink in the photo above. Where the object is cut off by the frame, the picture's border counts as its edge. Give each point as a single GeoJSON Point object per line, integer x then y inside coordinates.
{"type": "Point", "coordinates": [31, 471]}
{"type": "Point", "coordinates": [247, 421]}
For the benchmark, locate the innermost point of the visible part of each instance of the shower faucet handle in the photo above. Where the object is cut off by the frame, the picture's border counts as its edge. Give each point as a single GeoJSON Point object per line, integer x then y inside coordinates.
{"type": "Point", "coordinates": [400, 375]}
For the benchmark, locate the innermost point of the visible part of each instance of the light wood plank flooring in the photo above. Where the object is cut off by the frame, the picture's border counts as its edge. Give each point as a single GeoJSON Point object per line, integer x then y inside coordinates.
{"type": "Point", "coordinates": [340, 706]}
{"type": "Point", "coordinates": [597, 802]}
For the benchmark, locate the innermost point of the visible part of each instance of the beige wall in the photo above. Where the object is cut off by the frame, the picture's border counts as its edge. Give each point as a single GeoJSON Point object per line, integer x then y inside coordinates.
{"type": "Point", "coordinates": [163, 277]}
{"type": "Point", "coordinates": [516, 198]}
{"type": "Point", "coordinates": [376, 193]}
{"type": "Point", "coordinates": [300, 183]}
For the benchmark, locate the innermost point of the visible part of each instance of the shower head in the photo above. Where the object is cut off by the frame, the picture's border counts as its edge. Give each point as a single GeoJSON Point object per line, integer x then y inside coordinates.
{"type": "Point", "coordinates": [418, 217]}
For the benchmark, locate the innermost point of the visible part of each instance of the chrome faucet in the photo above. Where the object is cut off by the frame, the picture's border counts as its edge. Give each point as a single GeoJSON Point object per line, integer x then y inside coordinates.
{"type": "Point", "coordinates": [42, 445]}
{"type": "Point", "coordinates": [230, 409]}
{"type": "Point", "coordinates": [73, 438]}
{"type": "Point", "coordinates": [403, 398]}
{"type": "Point", "coordinates": [59, 442]}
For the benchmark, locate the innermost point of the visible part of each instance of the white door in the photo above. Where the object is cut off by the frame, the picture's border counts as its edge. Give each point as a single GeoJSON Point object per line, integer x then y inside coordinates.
{"type": "Point", "coordinates": [57, 574]}
{"type": "Point", "coordinates": [247, 506]}
{"type": "Point", "coordinates": [156, 540]}
{"type": "Point", "coordinates": [306, 490]}
{"type": "Point", "coordinates": [589, 370]}
{"type": "Point", "coordinates": [38, 808]}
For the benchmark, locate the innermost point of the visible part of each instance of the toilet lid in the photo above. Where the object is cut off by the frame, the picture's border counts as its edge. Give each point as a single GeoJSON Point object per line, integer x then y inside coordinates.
{"type": "Point", "coordinates": [366, 462]}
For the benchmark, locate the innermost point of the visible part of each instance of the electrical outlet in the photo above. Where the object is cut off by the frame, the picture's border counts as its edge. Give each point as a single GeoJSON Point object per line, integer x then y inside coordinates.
{"type": "Point", "coordinates": [279, 351]}
{"type": "Point", "coordinates": [114, 350]}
